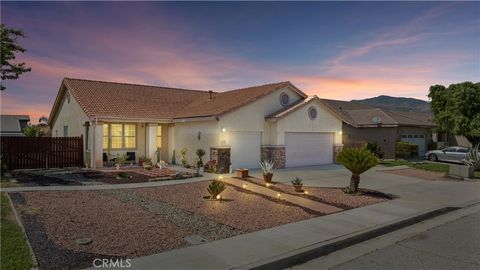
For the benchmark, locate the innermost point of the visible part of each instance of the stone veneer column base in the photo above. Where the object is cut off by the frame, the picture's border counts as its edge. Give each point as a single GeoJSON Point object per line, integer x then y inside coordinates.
{"type": "Point", "coordinates": [337, 148]}
{"type": "Point", "coordinates": [275, 153]}
{"type": "Point", "coordinates": [222, 156]}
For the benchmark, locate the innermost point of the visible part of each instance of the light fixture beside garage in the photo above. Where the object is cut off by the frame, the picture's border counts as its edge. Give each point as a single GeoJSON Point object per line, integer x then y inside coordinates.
{"type": "Point", "coordinates": [224, 130]}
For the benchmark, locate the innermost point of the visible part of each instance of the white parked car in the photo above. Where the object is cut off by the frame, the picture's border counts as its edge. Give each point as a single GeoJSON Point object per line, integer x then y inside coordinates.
{"type": "Point", "coordinates": [453, 154]}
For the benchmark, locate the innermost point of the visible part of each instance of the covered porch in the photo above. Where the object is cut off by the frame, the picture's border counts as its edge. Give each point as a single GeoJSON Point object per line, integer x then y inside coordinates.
{"type": "Point", "coordinates": [132, 140]}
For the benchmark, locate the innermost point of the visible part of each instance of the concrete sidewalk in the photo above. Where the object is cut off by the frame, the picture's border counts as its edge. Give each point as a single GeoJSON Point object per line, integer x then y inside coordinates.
{"type": "Point", "coordinates": [414, 197]}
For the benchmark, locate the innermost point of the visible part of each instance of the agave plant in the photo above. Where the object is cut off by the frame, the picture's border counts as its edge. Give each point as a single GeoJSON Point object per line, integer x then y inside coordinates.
{"type": "Point", "coordinates": [357, 161]}
{"type": "Point", "coordinates": [215, 188]}
{"type": "Point", "coordinates": [472, 158]}
{"type": "Point", "coordinates": [297, 181]}
{"type": "Point", "coordinates": [267, 167]}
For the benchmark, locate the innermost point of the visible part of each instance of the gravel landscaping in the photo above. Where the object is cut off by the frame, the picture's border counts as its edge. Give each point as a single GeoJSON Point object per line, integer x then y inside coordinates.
{"type": "Point", "coordinates": [332, 196]}
{"type": "Point", "coordinates": [55, 220]}
{"type": "Point", "coordinates": [421, 174]}
{"type": "Point", "coordinates": [240, 209]}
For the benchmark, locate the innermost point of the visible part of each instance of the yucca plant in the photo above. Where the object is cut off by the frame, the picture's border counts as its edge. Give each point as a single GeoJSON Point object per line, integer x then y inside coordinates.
{"type": "Point", "coordinates": [267, 168]}
{"type": "Point", "coordinates": [215, 188]}
{"type": "Point", "coordinates": [472, 158]}
{"type": "Point", "coordinates": [357, 161]}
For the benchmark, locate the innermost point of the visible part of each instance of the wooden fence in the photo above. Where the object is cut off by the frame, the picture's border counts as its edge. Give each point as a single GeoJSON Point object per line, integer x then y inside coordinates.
{"type": "Point", "coordinates": [41, 152]}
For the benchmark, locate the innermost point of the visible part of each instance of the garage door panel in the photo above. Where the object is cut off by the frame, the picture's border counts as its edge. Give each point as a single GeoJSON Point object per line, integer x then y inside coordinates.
{"type": "Point", "coordinates": [245, 149]}
{"type": "Point", "coordinates": [308, 148]}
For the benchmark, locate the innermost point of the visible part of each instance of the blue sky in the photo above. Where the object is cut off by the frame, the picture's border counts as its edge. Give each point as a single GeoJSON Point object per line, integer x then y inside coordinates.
{"type": "Point", "coordinates": [341, 50]}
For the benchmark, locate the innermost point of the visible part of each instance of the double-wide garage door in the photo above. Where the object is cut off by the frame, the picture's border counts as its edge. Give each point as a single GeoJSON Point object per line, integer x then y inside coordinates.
{"type": "Point", "coordinates": [308, 148]}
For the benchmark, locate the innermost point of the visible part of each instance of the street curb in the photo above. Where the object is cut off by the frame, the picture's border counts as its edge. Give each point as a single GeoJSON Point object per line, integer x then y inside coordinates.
{"type": "Point", "coordinates": [19, 222]}
{"type": "Point", "coordinates": [308, 253]}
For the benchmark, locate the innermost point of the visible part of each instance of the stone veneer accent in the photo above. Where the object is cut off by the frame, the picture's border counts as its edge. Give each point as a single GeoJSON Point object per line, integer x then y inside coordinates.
{"type": "Point", "coordinates": [275, 153]}
{"type": "Point", "coordinates": [337, 148]}
{"type": "Point", "coordinates": [222, 156]}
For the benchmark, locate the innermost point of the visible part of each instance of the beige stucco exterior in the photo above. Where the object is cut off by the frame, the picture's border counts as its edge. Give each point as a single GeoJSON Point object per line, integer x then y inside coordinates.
{"type": "Point", "coordinates": [196, 134]}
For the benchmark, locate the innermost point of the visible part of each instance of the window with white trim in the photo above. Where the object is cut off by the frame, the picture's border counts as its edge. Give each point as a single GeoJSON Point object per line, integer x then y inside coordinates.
{"type": "Point", "coordinates": [120, 136]}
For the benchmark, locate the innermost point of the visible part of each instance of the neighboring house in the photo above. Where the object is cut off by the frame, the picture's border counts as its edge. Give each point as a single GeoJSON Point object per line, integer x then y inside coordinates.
{"type": "Point", "coordinates": [362, 124]}
{"type": "Point", "coordinates": [13, 125]}
{"type": "Point", "coordinates": [273, 121]}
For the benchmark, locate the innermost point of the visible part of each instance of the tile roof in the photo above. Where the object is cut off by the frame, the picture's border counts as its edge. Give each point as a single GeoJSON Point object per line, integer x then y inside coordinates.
{"type": "Point", "coordinates": [133, 101]}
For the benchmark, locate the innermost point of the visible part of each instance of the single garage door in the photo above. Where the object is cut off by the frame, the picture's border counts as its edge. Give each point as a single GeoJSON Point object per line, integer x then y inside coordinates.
{"type": "Point", "coordinates": [308, 148]}
{"type": "Point", "coordinates": [245, 149]}
{"type": "Point", "coordinates": [418, 139]}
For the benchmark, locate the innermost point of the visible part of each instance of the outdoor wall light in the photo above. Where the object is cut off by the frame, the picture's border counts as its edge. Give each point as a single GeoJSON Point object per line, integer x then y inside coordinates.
{"type": "Point", "coordinates": [224, 130]}
{"type": "Point", "coordinates": [340, 132]}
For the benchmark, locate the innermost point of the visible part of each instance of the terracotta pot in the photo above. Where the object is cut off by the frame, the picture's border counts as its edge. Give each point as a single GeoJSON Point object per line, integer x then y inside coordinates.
{"type": "Point", "coordinates": [268, 177]}
{"type": "Point", "coordinates": [298, 188]}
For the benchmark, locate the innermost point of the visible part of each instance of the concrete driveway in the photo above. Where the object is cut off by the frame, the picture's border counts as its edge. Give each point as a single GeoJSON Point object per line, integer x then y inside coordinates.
{"type": "Point", "coordinates": [446, 192]}
{"type": "Point", "coordinates": [337, 176]}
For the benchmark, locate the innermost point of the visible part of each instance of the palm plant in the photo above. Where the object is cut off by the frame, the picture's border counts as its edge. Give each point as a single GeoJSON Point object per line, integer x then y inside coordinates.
{"type": "Point", "coordinates": [357, 161]}
{"type": "Point", "coordinates": [215, 188]}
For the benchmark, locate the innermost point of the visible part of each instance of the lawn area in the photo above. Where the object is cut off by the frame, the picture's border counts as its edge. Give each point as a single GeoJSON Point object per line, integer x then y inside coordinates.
{"type": "Point", "coordinates": [428, 166]}
{"type": "Point", "coordinates": [15, 253]}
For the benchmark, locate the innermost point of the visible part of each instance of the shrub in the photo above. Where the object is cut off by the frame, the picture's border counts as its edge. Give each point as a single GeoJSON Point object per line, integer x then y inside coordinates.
{"type": "Point", "coordinates": [33, 131]}
{"type": "Point", "coordinates": [120, 159]}
{"type": "Point", "coordinates": [297, 181]}
{"type": "Point", "coordinates": [211, 166]}
{"type": "Point", "coordinates": [122, 174]}
{"type": "Point", "coordinates": [473, 157]}
{"type": "Point", "coordinates": [215, 188]}
{"type": "Point", "coordinates": [376, 149]}
{"type": "Point", "coordinates": [200, 153]}
{"type": "Point", "coordinates": [144, 159]}
{"type": "Point", "coordinates": [406, 150]}
{"type": "Point", "coordinates": [183, 154]}
{"type": "Point", "coordinates": [357, 161]}
{"type": "Point", "coordinates": [267, 167]}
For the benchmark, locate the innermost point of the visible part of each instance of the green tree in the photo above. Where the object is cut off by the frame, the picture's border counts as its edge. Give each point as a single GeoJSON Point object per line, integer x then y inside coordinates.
{"type": "Point", "coordinates": [357, 161]}
{"type": "Point", "coordinates": [456, 109]}
{"type": "Point", "coordinates": [33, 131]}
{"type": "Point", "coordinates": [9, 48]}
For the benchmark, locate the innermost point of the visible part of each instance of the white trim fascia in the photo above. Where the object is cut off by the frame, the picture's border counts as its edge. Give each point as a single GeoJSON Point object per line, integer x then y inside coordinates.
{"type": "Point", "coordinates": [195, 119]}
{"type": "Point", "coordinates": [131, 120]}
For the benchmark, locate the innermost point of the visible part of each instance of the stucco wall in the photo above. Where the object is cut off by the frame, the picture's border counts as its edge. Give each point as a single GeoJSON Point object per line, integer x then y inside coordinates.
{"type": "Point", "coordinates": [72, 115]}
{"type": "Point", "coordinates": [252, 117]}
{"type": "Point", "coordinates": [186, 135]}
{"type": "Point", "coordinates": [386, 137]}
{"type": "Point", "coordinates": [299, 121]}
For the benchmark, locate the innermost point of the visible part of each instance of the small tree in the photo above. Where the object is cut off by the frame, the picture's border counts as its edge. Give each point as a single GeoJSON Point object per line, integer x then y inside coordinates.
{"type": "Point", "coordinates": [200, 153]}
{"type": "Point", "coordinates": [10, 47]}
{"type": "Point", "coordinates": [183, 154]}
{"type": "Point", "coordinates": [357, 161]}
{"type": "Point", "coordinates": [33, 131]}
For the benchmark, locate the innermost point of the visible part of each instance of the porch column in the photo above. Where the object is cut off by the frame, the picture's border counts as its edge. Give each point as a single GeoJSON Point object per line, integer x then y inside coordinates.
{"type": "Point", "coordinates": [151, 141]}
{"type": "Point", "coordinates": [97, 141]}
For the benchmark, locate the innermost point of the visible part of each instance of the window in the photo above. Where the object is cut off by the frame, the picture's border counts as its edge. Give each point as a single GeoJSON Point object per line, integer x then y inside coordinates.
{"type": "Point", "coordinates": [129, 136]}
{"type": "Point", "coordinates": [284, 99]}
{"type": "Point", "coordinates": [116, 136]}
{"type": "Point", "coordinates": [65, 131]}
{"type": "Point", "coordinates": [159, 136]}
{"type": "Point", "coordinates": [119, 136]}
{"type": "Point", "coordinates": [105, 136]}
{"type": "Point", "coordinates": [312, 113]}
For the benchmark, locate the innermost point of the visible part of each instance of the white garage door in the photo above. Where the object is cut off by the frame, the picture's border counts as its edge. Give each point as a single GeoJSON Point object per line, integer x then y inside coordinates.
{"type": "Point", "coordinates": [245, 149]}
{"type": "Point", "coordinates": [418, 139]}
{"type": "Point", "coordinates": [308, 148]}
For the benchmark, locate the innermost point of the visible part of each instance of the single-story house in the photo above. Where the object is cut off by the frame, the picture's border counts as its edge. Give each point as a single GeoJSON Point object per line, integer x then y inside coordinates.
{"type": "Point", "coordinates": [239, 127]}
{"type": "Point", "coordinates": [362, 124]}
{"type": "Point", "coordinates": [13, 125]}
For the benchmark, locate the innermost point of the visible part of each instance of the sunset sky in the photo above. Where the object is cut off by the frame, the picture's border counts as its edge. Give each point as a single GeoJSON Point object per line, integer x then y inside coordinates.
{"type": "Point", "coordinates": [334, 50]}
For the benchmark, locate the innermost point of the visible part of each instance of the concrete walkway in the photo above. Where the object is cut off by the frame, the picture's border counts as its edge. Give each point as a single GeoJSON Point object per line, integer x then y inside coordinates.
{"type": "Point", "coordinates": [413, 197]}
{"type": "Point", "coordinates": [316, 206]}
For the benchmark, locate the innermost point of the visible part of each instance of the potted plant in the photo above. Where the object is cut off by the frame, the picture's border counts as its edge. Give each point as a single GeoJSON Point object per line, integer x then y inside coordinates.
{"type": "Point", "coordinates": [267, 168]}
{"type": "Point", "coordinates": [297, 184]}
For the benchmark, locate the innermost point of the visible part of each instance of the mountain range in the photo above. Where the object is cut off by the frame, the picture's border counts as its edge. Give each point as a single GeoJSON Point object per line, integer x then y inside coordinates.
{"type": "Point", "coordinates": [396, 103]}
